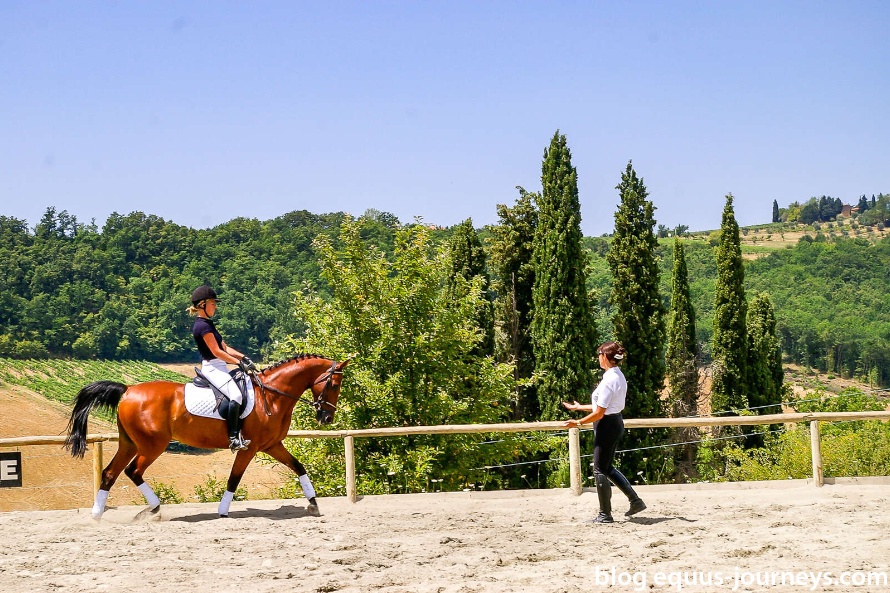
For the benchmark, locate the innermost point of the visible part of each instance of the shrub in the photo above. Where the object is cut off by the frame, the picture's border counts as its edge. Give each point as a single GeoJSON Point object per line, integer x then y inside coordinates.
{"type": "Point", "coordinates": [213, 488]}
{"type": "Point", "coordinates": [855, 448]}
{"type": "Point", "coordinates": [167, 492]}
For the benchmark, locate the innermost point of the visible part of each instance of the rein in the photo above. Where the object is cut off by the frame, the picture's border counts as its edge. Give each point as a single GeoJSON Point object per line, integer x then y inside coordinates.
{"type": "Point", "coordinates": [316, 403]}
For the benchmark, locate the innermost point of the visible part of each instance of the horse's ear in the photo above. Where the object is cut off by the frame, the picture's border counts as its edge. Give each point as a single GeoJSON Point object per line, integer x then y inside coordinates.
{"type": "Point", "coordinates": [343, 364]}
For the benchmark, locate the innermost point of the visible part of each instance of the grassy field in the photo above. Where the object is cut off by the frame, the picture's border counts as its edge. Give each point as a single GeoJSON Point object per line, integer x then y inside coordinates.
{"type": "Point", "coordinates": [760, 240]}
{"type": "Point", "coordinates": [60, 379]}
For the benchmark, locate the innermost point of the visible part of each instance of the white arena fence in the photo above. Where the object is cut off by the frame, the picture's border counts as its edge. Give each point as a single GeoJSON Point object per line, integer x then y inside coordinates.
{"type": "Point", "coordinates": [574, 449]}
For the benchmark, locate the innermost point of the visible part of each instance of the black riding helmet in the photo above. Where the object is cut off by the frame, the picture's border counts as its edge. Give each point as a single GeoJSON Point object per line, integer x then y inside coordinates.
{"type": "Point", "coordinates": [202, 293]}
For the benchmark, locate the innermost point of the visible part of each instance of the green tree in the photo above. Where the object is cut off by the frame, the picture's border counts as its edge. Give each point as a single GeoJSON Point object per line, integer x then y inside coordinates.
{"type": "Point", "coordinates": [863, 204]}
{"type": "Point", "coordinates": [414, 346]}
{"type": "Point", "coordinates": [514, 278]}
{"type": "Point", "coordinates": [765, 374]}
{"type": "Point", "coordinates": [729, 349]}
{"type": "Point", "coordinates": [638, 312]}
{"type": "Point", "coordinates": [810, 212]}
{"type": "Point", "coordinates": [563, 327]}
{"type": "Point", "coordinates": [775, 211]}
{"type": "Point", "coordinates": [466, 260]}
{"type": "Point", "coordinates": [681, 360]}
{"type": "Point", "coordinates": [878, 211]}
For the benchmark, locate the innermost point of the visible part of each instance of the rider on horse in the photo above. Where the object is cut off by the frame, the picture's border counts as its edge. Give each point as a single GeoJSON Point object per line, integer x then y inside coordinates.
{"type": "Point", "coordinates": [215, 353]}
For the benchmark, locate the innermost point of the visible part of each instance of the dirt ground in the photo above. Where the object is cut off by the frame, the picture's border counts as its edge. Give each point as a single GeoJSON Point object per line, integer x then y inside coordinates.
{"type": "Point", "coordinates": [52, 479]}
{"type": "Point", "coordinates": [755, 536]}
{"type": "Point", "coordinates": [491, 542]}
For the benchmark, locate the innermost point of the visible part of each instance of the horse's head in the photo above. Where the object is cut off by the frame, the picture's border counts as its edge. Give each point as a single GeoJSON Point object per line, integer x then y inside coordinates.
{"type": "Point", "coordinates": [326, 391]}
{"type": "Point", "coordinates": [292, 377]}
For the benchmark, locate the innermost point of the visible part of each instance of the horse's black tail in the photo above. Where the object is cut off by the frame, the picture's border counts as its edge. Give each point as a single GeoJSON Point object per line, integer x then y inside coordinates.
{"type": "Point", "coordinates": [104, 394]}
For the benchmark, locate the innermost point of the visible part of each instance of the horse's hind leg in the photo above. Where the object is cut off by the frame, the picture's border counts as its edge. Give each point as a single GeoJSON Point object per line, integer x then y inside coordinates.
{"type": "Point", "coordinates": [281, 454]}
{"type": "Point", "coordinates": [135, 470]}
{"type": "Point", "coordinates": [126, 450]}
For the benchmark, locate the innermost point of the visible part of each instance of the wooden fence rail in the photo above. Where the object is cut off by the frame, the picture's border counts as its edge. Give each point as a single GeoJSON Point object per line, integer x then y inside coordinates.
{"type": "Point", "coordinates": [349, 436]}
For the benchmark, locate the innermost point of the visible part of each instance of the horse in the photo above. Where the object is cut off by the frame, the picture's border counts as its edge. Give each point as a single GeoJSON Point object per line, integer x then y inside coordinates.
{"type": "Point", "coordinates": [151, 414]}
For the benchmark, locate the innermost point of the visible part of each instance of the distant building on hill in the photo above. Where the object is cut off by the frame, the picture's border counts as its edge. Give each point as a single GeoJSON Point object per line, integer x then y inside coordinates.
{"type": "Point", "coordinates": [847, 210]}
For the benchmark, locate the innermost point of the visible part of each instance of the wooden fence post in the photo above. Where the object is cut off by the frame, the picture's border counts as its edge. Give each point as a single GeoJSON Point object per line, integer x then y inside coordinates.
{"type": "Point", "coordinates": [97, 466]}
{"type": "Point", "coordinates": [575, 461]}
{"type": "Point", "coordinates": [349, 448]}
{"type": "Point", "coordinates": [816, 448]}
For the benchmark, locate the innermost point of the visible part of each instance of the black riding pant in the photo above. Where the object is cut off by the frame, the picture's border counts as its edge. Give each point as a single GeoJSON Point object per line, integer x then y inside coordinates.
{"type": "Point", "coordinates": [609, 429]}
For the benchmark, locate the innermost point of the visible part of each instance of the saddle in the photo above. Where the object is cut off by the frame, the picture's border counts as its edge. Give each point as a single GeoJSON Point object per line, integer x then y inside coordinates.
{"type": "Point", "coordinates": [242, 380]}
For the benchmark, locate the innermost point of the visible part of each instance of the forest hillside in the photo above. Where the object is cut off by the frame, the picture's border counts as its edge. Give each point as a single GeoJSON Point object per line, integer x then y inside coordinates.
{"type": "Point", "coordinates": [69, 289]}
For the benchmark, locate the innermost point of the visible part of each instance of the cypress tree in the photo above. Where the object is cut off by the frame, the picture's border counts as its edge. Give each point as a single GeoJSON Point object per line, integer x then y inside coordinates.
{"type": "Point", "coordinates": [775, 211]}
{"type": "Point", "coordinates": [638, 317]}
{"type": "Point", "coordinates": [863, 204]}
{"type": "Point", "coordinates": [563, 328]}
{"type": "Point", "coordinates": [514, 278]}
{"type": "Point", "coordinates": [729, 349]}
{"type": "Point", "coordinates": [682, 348]}
{"type": "Point", "coordinates": [765, 375]}
{"type": "Point", "coordinates": [467, 261]}
{"type": "Point", "coordinates": [680, 358]}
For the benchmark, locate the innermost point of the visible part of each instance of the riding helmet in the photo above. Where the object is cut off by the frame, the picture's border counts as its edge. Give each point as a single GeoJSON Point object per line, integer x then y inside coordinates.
{"type": "Point", "coordinates": [202, 293]}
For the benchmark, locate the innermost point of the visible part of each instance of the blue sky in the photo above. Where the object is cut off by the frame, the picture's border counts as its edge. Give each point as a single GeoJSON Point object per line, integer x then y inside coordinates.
{"type": "Point", "coordinates": [200, 112]}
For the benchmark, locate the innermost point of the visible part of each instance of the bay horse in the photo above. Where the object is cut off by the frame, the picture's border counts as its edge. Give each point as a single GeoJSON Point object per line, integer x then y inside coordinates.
{"type": "Point", "coordinates": [150, 415]}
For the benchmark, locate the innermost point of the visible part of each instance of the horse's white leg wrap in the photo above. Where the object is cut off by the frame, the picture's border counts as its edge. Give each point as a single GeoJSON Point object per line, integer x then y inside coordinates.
{"type": "Point", "coordinates": [99, 505]}
{"type": "Point", "coordinates": [224, 503]}
{"type": "Point", "coordinates": [306, 485]}
{"type": "Point", "coordinates": [150, 497]}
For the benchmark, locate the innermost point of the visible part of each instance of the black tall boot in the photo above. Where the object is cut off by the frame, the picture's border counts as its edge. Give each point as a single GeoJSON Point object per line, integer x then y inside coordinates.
{"type": "Point", "coordinates": [233, 422]}
{"type": "Point", "coordinates": [636, 503]}
{"type": "Point", "coordinates": [604, 493]}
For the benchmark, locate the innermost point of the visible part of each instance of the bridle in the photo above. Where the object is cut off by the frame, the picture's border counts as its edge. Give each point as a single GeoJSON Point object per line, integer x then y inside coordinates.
{"type": "Point", "coordinates": [317, 402]}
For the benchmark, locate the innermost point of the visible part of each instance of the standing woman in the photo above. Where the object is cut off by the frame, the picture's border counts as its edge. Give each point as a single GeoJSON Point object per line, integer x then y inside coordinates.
{"type": "Point", "coordinates": [215, 353]}
{"type": "Point", "coordinates": [605, 414]}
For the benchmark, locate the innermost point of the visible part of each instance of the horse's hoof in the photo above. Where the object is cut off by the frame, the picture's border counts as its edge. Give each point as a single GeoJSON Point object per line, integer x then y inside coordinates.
{"type": "Point", "coordinates": [151, 514]}
{"type": "Point", "coordinates": [312, 510]}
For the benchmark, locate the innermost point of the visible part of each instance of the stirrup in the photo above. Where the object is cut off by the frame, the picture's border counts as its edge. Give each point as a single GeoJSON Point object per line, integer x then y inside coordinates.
{"type": "Point", "coordinates": [238, 444]}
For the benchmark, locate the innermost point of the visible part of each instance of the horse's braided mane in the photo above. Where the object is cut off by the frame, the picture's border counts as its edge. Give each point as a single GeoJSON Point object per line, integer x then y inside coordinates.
{"type": "Point", "coordinates": [300, 356]}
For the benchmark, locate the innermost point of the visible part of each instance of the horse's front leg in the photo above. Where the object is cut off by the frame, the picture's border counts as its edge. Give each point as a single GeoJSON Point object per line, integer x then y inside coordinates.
{"type": "Point", "coordinates": [281, 454]}
{"type": "Point", "coordinates": [242, 460]}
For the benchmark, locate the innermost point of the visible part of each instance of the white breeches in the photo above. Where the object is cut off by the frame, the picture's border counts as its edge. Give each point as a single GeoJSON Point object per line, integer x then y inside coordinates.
{"type": "Point", "coordinates": [216, 372]}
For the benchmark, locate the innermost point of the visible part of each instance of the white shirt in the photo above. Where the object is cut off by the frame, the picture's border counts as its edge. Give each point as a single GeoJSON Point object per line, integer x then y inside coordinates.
{"type": "Point", "coordinates": [611, 392]}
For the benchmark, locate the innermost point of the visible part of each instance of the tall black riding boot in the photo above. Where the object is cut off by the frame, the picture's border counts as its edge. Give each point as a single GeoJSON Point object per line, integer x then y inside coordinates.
{"type": "Point", "coordinates": [233, 422]}
{"type": "Point", "coordinates": [636, 503]}
{"type": "Point", "coordinates": [604, 493]}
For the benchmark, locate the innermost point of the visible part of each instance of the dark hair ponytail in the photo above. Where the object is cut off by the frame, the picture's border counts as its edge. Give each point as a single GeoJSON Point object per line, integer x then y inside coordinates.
{"type": "Point", "coordinates": [614, 351]}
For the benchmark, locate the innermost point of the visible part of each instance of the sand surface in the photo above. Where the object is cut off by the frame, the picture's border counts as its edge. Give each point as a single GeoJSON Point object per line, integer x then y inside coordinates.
{"type": "Point", "coordinates": [464, 542]}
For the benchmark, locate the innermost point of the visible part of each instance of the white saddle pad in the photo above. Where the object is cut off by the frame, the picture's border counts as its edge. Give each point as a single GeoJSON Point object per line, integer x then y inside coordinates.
{"type": "Point", "coordinates": [200, 401]}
